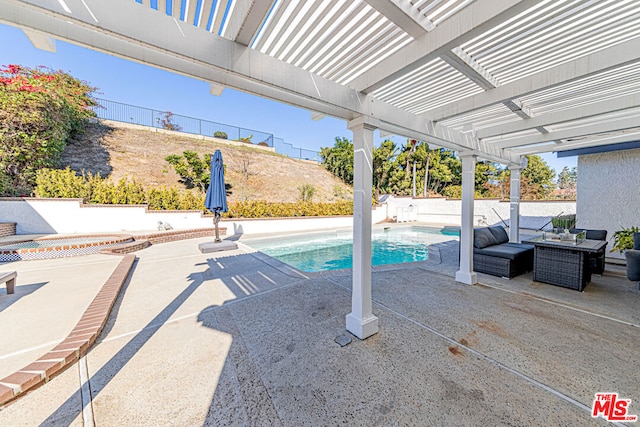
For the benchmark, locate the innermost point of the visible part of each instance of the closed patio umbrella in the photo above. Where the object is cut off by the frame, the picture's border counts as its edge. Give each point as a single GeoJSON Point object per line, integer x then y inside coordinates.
{"type": "Point", "coordinates": [216, 199]}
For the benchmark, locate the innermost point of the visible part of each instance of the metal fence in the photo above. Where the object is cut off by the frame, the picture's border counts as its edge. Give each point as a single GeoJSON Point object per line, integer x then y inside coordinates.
{"type": "Point", "coordinates": [119, 112]}
{"type": "Point", "coordinates": [126, 113]}
{"type": "Point", "coordinates": [289, 150]}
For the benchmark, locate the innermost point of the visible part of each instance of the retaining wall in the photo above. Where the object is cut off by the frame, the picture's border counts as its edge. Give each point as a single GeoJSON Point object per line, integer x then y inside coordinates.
{"type": "Point", "coordinates": [71, 216]}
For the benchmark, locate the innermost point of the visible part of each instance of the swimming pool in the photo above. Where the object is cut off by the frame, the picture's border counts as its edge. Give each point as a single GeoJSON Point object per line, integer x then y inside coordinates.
{"type": "Point", "coordinates": [333, 250]}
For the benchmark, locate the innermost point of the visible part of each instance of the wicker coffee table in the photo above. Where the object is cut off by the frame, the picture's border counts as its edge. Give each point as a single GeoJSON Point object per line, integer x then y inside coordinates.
{"type": "Point", "coordinates": [563, 264]}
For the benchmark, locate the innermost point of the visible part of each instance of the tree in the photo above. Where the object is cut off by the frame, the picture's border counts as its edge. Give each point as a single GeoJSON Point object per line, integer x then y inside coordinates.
{"type": "Point", "coordinates": [40, 110]}
{"type": "Point", "coordinates": [539, 176]}
{"type": "Point", "coordinates": [193, 170]}
{"type": "Point", "coordinates": [535, 180]}
{"type": "Point", "coordinates": [339, 159]}
{"type": "Point", "coordinates": [245, 168]}
{"type": "Point", "coordinates": [567, 178]}
{"type": "Point", "coordinates": [166, 122]}
{"type": "Point", "coordinates": [383, 165]}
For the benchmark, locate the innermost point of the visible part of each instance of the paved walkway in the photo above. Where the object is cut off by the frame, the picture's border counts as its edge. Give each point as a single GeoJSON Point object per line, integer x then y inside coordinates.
{"type": "Point", "coordinates": [240, 339]}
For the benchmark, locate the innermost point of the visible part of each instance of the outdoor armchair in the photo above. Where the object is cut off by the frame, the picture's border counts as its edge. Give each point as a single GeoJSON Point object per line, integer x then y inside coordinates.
{"type": "Point", "coordinates": [596, 261]}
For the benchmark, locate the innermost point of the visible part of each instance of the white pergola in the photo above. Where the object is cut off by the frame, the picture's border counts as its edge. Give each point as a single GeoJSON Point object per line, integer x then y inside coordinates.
{"type": "Point", "coordinates": [491, 79]}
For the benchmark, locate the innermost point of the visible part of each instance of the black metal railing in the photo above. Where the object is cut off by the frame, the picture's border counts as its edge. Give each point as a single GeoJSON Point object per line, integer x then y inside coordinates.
{"type": "Point", "coordinates": [289, 150]}
{"type": "Point", "coordinates": [126, 113]}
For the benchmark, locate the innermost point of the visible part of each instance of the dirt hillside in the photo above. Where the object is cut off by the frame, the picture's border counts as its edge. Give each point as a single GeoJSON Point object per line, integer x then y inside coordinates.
{"type": "Point", "coordinates": [116, 152]}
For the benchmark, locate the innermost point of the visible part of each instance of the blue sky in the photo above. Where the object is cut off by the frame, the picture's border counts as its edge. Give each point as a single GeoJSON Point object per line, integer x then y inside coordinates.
{"type": "Point", "coordinates": [132, 83]}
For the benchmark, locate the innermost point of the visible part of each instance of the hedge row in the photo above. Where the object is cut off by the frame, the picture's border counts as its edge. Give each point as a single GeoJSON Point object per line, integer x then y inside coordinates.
{"type": "Point", "coordinates": [65, 183]}
{"type": "Point", "coordinates": [262, 209]}
{"type": "Point", "coordinates": [95, 189]}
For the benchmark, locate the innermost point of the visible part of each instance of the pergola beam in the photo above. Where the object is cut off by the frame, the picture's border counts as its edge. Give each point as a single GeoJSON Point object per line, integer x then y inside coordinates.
{"type": "Point", "coordinates": [475, 72]}
{"type": "Point", "coordinates": [404, 16]}
{"type": "Point", "coordinates": [586, 143]}
{"type": "Point", "coordinates": [40, 41]}
{"type": "Point", "coordinates": [464, 63]}
{"type": "Point", "coordinates": [246, 20]}
{"type": "Point", "coordinates": [607, 59]}
{"type": "Point", "coordinates": [574, 113]}
{"type": "Point", "coordinates": [210, 58]}
{"type": "Point", "coordinates": [470, 22]}
{"type": "Point", "coordinates": [577, 132]}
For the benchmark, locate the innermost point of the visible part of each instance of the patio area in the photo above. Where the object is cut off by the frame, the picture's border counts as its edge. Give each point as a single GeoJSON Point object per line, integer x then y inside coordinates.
{"type": "Point", "coordinates": [238, 338]}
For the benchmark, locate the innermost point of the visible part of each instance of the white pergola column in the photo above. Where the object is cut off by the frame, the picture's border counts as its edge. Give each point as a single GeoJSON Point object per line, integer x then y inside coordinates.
{"type": "Point", "coordinates": [361, 322]}
{"type": "Point", "coordinates": [466, 274]}
{"type": "Point", "coordinates": [514, 207]}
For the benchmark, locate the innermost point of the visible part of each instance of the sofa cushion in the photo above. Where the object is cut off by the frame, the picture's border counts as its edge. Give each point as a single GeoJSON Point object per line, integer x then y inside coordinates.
{"type": "Point", "coordinates": [510, 251]}
{"type": "Point", "coordinates": [499, 233]}
{"type": "Point", "coordinates": [482, 238]}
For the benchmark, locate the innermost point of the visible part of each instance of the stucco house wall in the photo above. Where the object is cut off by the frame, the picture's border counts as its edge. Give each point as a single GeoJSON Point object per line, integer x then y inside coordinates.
{"type": "Point", "coordinates": [608, 195]}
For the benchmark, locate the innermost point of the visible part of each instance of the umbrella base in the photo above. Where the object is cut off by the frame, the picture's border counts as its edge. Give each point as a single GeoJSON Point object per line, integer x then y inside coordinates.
{"type": "Point", "coordinates": [224, 245]}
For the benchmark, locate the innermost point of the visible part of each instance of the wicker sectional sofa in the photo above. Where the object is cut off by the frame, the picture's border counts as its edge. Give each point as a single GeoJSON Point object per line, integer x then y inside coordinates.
{"type": "Point", "coordinates": [493, 254]}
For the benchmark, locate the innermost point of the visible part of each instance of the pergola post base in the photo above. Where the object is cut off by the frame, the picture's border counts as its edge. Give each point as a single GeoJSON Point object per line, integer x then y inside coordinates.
{"type": "Point", "coordinates": [362, 328]}
{"type": "Point", "coordinates": [467, 277]}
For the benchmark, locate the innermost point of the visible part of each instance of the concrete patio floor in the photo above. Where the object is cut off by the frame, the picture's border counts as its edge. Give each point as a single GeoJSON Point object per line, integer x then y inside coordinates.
{"type": "Point", "coordinates": [238, 338]}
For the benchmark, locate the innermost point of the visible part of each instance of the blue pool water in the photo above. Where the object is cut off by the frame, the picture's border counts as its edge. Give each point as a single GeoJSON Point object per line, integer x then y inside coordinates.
{"type": "Point", "coordinates": [333, 251]}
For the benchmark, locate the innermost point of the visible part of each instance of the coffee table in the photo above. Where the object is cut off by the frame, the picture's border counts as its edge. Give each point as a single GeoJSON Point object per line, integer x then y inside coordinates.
{"type": "Point", "coordinates": [562, 263]}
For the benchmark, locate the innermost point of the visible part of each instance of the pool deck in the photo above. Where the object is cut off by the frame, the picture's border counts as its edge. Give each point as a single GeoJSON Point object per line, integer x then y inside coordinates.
{"type": "Point", "coordinates": [238, 338]}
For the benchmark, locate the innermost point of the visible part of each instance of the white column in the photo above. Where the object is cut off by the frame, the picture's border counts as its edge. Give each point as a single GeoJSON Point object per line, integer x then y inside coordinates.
{"type": "Point", "coordinates": [361, 322]}
{"type": "Point", "coordinates": [514, 208]}
{"type": "Point", "coordinates": [466, 274]}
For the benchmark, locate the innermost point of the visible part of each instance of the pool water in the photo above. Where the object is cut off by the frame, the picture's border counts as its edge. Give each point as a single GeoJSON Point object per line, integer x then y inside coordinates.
{"type": "Point", "coordinates": [59, 246]}
{"type": "Point", "coordinates": [334, 250]}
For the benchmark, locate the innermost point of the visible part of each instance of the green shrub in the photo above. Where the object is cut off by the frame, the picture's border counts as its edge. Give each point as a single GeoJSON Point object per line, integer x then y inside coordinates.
{"type": "Point", "coordinates": [220, 134]}
{"type": "Point", "coordinates": [57, 183]}
{"type": "Point", "coordinates": [455, 192]}
{"type": "Point", "coordinates": [39, 110]}
{"type": "Point", "coordinates": [193, 170]}
{"type": "Point", "coordinates": [623, 239]}
{"type": "Point", "coordinates": [262, 209]}
{"type": "Point", "coordinates": [246, 139]}
{"type": "Point", "coordinates": [307, 192]}
{"type": "Point", "coordinates": [95, 189]}
{"type": "Point", "coordinates": [564, 222]}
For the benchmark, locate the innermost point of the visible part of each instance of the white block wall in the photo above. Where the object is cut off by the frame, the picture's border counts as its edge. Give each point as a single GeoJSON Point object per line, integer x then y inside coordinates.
{"type": "Point", "coordinates": [69, 216]}
{"type": "Point", "coordinates": [486, 211]}
{"type": "Point", "coordinates": [609, 192]}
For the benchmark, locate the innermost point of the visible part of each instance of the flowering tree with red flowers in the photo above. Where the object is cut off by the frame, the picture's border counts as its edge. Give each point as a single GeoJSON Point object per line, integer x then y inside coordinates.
{"type": "Point", "coordinates": [39, 110]}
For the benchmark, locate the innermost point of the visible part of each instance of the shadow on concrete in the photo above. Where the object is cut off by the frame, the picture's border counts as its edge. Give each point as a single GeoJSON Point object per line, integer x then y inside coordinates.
{"type": "Point", "coordinates": [241, 285]}
{"type": "Point", "coordinates": [20, 291]}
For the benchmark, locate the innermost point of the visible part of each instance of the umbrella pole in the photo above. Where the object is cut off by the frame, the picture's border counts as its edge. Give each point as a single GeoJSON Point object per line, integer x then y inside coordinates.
{"type": "Point", "coordinates": [216, 220]}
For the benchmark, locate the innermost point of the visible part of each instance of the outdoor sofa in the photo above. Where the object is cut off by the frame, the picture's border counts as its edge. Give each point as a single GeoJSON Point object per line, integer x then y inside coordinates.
{"type": "Point", "coordinates": [494, 254]}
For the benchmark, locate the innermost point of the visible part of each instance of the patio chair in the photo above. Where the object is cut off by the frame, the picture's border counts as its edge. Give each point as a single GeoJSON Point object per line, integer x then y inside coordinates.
{"type": "Point", "coordinates": [596, 261]}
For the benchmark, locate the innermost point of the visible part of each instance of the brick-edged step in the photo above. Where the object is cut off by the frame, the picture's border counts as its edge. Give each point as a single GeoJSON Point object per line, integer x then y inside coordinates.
{"type": "Point", "coordinates": [75, 345]}
{"type": "Point", "coordinates": [174, 235]}
{"type": "Point", "coordinates": [126, 248]}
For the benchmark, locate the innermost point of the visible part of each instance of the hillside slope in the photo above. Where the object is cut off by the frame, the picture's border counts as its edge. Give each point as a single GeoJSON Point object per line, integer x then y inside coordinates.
{"type": "Point", "coordinates": [116, 151]}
